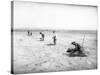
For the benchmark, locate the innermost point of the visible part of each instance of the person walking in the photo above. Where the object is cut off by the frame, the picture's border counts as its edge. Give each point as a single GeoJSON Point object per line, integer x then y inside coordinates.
{"type": "Point", "coordinates": [54, 38]}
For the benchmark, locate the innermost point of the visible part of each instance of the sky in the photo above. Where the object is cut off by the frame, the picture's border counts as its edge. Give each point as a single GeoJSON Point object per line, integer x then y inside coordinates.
{"type": "Point", "coordinates": [33, 15]}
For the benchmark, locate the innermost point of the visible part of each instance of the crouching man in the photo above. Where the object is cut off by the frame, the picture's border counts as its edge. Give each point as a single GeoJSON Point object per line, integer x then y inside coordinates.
{"type": "Point", "coordinates": [77, 51]}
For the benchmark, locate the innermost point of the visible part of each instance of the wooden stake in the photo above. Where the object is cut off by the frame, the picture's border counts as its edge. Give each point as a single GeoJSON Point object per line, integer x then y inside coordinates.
{"type": "Point", "coordinates": [83, 41]}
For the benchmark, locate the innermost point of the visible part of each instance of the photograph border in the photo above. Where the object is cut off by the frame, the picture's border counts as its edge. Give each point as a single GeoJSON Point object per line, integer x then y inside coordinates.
{"type": "Point", "coordinates": [12, 25]}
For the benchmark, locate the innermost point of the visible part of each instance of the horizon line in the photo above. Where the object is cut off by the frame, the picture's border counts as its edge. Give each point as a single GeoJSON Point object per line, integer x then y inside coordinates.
{"type": "Point", "coordinates": [23, 29]}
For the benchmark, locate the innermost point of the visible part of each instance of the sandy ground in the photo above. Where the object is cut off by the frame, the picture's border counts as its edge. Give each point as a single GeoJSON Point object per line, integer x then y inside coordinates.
{"type": "Point", "coordinates": [32, 55]}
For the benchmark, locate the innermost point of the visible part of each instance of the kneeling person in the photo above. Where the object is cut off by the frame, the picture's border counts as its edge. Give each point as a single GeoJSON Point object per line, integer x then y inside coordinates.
{"type": "Point", "coordinates": [77, 51]}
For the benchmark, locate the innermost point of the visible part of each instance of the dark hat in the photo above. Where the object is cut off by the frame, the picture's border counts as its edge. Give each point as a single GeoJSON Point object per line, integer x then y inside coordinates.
{"type": "Point", "coordinates": [73, 43]}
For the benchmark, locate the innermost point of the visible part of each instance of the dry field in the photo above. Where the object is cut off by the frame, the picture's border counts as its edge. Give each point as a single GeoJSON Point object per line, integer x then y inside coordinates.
{"type": "Point", "coordinates": [34, 56]}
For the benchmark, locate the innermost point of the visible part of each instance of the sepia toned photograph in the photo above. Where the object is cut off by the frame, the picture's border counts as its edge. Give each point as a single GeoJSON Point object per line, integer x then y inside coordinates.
{"type": "Point", "coordinates": [53, 37]}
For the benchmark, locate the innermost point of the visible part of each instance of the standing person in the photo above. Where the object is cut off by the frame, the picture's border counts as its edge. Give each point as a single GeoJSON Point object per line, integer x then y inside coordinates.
{"type": "Point", "coordinates": [42, 36]}
{"type": "Point", "coordinates": [28, 33]}
{"type": "Point", "coordinates": [54, 38]}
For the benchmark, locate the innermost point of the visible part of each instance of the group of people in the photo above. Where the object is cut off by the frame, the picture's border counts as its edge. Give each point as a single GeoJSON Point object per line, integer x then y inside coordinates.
{"type": "Point", "coordinates": [29, 33]}
{"type": "Point", "coordinates": [42, 38]}
{"type": "Point", "coordinates": [77, 51]}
